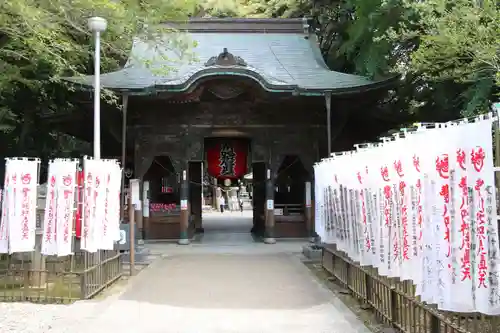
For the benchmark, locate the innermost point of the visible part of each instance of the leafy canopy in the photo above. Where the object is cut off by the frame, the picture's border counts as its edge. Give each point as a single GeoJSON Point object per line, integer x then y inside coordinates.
{"type": "Point", "coordinates": [42, 41]}
{"type": "Point", "coordinates": [52, 35]}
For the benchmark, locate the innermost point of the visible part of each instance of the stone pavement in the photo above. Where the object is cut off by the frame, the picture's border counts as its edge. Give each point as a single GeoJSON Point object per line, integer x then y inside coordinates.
{"type": "Point", "coordinates": [225, 282]}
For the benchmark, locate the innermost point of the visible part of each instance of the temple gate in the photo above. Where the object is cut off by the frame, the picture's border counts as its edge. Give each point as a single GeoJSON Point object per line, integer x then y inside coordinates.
{"type": "Point", "coordinates": [254, 96]}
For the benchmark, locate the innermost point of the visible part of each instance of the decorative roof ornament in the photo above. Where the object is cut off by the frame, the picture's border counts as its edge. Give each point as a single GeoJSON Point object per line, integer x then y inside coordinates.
{"type": "Point", "coordinates": [226, 58]}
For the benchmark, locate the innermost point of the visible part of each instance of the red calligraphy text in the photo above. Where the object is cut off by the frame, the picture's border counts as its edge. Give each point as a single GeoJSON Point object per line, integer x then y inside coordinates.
{"type": "Point", "coordinates": [399, 168]}
{"type": "Point", "coordinates": [445, 193]}
{"type": "Point", "coordinates": [442, 166]}
{"type": "Point", "coordinates": [162, 207]}
{"type": "Point", "coordinates": [88, 205]}
{"type": "Point", "coordinates": [25, 206]}
{"type": "Point", "coordinates": [461, 159]}
{"type": "Point", "coordinates": [404, 220]}
{"type": "Point", "coordinates": [387, 204]}
{"type": "Point", "coordinates": [482, 267]}
{"type": "Point", "coordinates": [477, 158]}
{"type": "Point", "coordinates": [50, 219]}
{"type": "Point", "coordinates": [465, 266]}
{"type": "Point", "coordinates": [416, 162]}
{"type": "Point", "coordinates": [384, 172]}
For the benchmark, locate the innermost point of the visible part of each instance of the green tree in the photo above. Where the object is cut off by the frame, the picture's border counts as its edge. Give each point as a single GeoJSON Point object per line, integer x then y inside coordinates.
{"type": "Point", "coordinates": [42, 41]}
{"type": "Point", "coordinates": [447, 51]}
{"type": "Point", "coordinates": [460, 41]}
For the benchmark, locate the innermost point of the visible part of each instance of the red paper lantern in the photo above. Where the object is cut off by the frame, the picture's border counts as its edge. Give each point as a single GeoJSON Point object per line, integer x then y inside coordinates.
{"type": "Point", "coordinates": [227, 159]}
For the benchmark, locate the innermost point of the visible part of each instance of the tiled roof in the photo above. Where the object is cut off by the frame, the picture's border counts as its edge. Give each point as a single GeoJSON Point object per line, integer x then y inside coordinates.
{"type": "Point", "coordinates": [278, 59]}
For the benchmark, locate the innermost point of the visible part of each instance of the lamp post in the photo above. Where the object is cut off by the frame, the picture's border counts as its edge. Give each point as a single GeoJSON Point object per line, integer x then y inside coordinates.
{"type": "Point", "coordinates": [97, 25]}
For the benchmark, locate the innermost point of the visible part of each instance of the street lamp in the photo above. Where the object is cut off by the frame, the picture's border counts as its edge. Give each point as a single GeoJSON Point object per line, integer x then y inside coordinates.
{"type": "Point", "coordinates": [97, 25]}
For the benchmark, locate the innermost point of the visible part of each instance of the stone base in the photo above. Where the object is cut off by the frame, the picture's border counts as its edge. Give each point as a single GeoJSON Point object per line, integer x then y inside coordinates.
{"type": "Point", "coordinates": [141, 256]}
{"type": "Point", "coordinates": [269, 241]}
{"type": "Point", "coordinates": [183, 241]}
{"type": "Point", "coordinates": [312, 252]}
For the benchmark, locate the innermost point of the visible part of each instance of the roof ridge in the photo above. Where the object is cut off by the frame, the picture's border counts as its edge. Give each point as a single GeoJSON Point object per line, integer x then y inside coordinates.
{"type": "Point", "coordinates": [248, 25]}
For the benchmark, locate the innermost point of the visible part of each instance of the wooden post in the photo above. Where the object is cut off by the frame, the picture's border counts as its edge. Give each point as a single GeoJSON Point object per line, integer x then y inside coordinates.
{"type": "Point", "coordinates": [131, 230]}
{"type": "Point", "coordinates": [38, 260]}
{"type": "Point", "coordinates": [308, 212]}
{"type": "Point", "coordinates": [269, 233]}
{"type": "Point", "coordinates": [184, 232]}
{"type": "Point", "coordinates": [138, 218]}
{"type": "Point", "coordinates": [39, 278]}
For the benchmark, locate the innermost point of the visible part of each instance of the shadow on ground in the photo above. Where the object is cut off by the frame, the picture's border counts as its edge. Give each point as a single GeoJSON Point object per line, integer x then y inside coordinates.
{"type": "Point", "coordinates": [230, 281]}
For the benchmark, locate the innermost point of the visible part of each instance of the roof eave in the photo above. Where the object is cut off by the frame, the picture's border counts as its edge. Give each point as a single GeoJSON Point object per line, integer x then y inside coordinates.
{"type": "Point", "coordinates": [376, 85]}
{"type": "Point", "coordinates": [242, 72]}
{"type": "Point", "coordinates": [192, 81]}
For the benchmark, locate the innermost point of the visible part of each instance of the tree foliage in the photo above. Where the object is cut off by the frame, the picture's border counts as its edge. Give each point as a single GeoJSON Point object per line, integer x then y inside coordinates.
{"type": "Point", "coordinates": [42, 41]}
{"type": "Point", "coordinates": [460, 40]}
{"type": "Point", "coordinates": [447, 51]}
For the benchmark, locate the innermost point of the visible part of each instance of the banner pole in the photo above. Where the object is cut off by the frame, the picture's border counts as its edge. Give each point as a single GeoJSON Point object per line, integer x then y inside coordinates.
{"type": "Point", "coordinates": [124, 153]}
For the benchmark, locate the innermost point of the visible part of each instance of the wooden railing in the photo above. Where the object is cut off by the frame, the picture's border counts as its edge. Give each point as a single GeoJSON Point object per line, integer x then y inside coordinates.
{"type": "Point", "coordinates": [393, 302]}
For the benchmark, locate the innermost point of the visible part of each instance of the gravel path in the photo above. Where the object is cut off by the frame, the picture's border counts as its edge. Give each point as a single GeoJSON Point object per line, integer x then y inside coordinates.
{"type": "Point", "coordinates": [35, 318]}
{"type": "Point", "coordinates": [263, 293]}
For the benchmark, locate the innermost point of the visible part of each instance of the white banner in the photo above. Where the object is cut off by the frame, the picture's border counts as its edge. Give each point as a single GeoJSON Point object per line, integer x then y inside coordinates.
{"type": "Point", "coordinates": [419, 208]}
{"type": "Point", "coordinates": [101, 204]}
{"type": "Point", "coordinates": [484, 221]}
{"type": "Point", "coordinates": [90, 174]}
{"type": "Point", "coordinates": [110, 227]}
{"type": "Point", "coordinates": [21, 210]}
{"type": "Point", "coordinates": [115, 192]}
{"type": "Point", "coordinates": [49, 239]}
{"type": "Point", "coordinates": [67, 187]}
{"type": "Point", "coordinates": [59, 208]}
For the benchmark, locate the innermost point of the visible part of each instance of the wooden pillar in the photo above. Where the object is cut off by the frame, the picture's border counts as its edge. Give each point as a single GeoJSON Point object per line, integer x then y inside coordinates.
{"type": "Point", "coordinates": [138, 219]}
{"type": "Point", "coordinates": [124, 154]}
{"type": "Point", "coordinates": [258, 197]}
{"type": "Point", "coordinates": [196, 194]}
{"type": "Point", "coordinates": [328, 102]}
{"type": "Point", "coordinates": [308, 212]}
{"type": "Point", "coordinates": [269, 233]}
{"type": "Point", "coordinates": [184, 223]}
{"type": "Point", "coordinates": [215, 203]}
